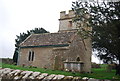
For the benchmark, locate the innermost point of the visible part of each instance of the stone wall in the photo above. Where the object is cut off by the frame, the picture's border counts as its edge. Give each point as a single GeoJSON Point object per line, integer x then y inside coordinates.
{"type": "Point", "coordinates": [75, 50]}
{"type": "Point", "coordinates": [83, 50]}
{"type": "Point", "coordinates": [65, 20]}
{"type": "Point", "coordinates": [7, 74]}
{"type": "Point", "coordinates": [60, 55]}
{"type": "Point", "coordinates": [64, 25]}
{"type": "Point", "coordinates": [6, 60]}
{"type": "Point", "coordinates": [42, 57]}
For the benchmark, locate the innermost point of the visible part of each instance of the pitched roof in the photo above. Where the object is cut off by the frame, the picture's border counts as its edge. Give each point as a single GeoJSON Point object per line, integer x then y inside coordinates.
{"type": "Point", "coordinates": [48, 39]}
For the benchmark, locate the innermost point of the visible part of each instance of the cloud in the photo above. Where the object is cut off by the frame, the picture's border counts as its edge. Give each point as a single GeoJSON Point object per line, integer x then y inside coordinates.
{"type": "Point", "coordinates": [4, 19]}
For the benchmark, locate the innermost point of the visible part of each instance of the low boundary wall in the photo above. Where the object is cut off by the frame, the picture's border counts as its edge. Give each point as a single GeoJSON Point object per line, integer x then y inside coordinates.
{"type": "Point", "coordinates": [7, 74]}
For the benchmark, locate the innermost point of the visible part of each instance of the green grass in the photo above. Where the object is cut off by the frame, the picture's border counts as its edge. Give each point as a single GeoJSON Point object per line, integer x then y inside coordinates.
{"type": "Point", "coordinates": [99, 73]}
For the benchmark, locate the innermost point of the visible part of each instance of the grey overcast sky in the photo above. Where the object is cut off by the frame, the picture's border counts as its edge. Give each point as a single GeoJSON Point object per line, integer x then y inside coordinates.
{"type": "Point", "coordinates": [18, 16]}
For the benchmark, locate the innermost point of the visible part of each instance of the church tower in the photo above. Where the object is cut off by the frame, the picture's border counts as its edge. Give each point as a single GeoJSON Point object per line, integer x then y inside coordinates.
{"type": "Point", "coordinates": [65, 21]}
{"type": "Point", "coordinates": [66, 24]}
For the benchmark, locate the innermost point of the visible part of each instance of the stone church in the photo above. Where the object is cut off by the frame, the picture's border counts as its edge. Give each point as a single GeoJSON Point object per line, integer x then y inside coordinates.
{"type": "Point", "coordinates": [63, 50]}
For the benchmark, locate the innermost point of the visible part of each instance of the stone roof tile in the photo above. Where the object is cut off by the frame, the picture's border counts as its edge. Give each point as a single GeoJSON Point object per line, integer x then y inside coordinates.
{"type": "Point", "coordinates": [59, 38]}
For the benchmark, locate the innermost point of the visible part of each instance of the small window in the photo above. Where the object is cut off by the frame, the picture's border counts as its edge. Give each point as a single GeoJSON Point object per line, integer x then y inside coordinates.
{"type": "Point", "coordinates": [78, 59]}
{"type": "Point", "coordinates": [70, 24]}
{"type": "Point", "coordinates": [31, 56]}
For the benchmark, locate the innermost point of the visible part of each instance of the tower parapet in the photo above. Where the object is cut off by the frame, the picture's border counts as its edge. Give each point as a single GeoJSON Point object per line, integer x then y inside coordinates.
{"type": "Point", "coordinates": [63, 15]}
{"type": "Point", "coordinates": [65, 21]}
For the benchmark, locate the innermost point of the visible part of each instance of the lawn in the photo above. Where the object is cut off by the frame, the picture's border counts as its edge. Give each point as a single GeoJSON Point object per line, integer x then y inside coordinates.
{"type": "Point", "coordinates": [99, 73]}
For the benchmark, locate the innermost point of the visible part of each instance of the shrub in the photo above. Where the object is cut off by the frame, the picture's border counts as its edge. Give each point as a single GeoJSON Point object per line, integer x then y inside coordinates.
{"type": "Point", "coordinates": [111, 67]}
{"type": "Point", "coordinates": [94, 65]}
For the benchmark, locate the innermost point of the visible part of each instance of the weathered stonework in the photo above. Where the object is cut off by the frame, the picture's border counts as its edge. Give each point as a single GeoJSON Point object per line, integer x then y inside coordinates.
{"type": "Point", "coordinates": [51, 50]}
{"type": "Point", "coordinates": [19, 75]}
{"type": "Point", "coordinates": [65, 19]}
{"type": "Point", "coordinates": [42, 57]}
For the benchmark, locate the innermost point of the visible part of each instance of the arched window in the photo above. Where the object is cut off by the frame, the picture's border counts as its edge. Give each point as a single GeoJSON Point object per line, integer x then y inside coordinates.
{"type": "Point", "coordinates": [78, 59]}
